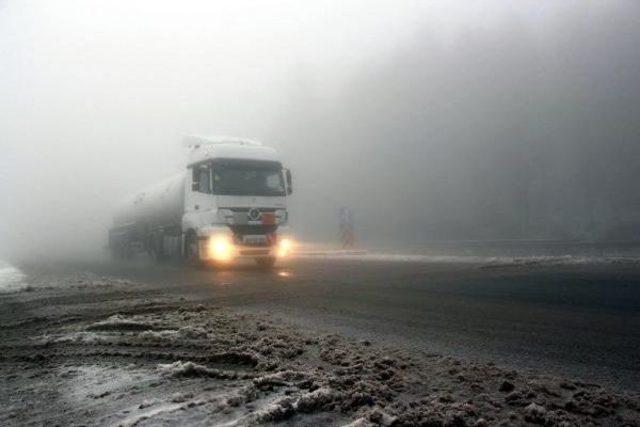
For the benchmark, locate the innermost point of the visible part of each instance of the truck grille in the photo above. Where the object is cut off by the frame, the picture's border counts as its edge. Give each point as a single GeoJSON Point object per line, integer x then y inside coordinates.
{"type": "Point", "coordinates": [242, 229]}
{"type": "Point", "coordinates": [247, 209]}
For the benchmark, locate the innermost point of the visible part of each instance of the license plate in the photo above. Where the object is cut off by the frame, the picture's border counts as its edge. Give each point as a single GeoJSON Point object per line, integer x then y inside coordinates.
{"type": "Point", "coordinates": [268, 218]}
{"type": "Point", "coordinates": [258, 239]}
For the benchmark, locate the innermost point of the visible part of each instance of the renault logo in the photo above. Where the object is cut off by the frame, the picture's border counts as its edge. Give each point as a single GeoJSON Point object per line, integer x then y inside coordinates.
{"type": "Point", "coordinates": [254, 214]}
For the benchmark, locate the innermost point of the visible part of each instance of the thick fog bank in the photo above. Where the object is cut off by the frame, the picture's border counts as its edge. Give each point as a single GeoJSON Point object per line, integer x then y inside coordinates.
{"type": "Point", "coordinates": [430, 120]}
{"type": "Point", "coordinates": [521, 130]}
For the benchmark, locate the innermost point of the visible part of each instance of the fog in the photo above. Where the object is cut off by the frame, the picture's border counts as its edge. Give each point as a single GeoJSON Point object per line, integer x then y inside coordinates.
{"type": "Point", "coordinates": [430, 120]}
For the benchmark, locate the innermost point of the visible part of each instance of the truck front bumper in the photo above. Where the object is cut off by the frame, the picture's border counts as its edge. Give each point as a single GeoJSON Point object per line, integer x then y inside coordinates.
{"type": "Point", "coordinates": [222, 248]}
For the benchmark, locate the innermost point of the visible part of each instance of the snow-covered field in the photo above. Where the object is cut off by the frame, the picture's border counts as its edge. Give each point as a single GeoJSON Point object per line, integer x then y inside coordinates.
{"type": "Point", "coordinates": [491, 253]}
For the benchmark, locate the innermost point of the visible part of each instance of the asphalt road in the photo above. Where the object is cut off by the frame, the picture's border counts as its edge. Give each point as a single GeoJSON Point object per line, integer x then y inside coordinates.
{"type": "Point", "coordinates": [580, 321]}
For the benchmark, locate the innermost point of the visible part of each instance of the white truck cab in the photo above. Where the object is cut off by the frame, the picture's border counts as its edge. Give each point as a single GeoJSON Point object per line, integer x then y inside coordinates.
{"type": "Point", "coordinates": [230, 203]}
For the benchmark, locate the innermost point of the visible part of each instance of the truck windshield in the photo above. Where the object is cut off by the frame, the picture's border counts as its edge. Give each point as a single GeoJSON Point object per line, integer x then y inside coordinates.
{"type": "Point", "coordinates": [247, 178]}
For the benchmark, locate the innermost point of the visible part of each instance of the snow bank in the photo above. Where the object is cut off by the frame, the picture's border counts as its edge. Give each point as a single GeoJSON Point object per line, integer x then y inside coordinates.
{"type": "Point", "coordinates": [258, 371]}
{"type": "Point", "coordinates": [12, 279]}
{"type": "Point", "coordinates": [190, 370]}
{"type": "Point", "coordinates": [487, 260]}
{"type": "Point", "coordinates": [119, 323]}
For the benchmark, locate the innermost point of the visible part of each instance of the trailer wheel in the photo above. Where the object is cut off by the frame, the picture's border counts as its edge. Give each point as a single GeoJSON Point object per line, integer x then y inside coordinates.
{"type": "Point", "coordinates": [116, 253]}
{"type": "Point", "coordinates": [266, 263]}
{"type": "Point", "coordinates": [121, 252]}
{"type": "Point", "coordinates": [157, 249]}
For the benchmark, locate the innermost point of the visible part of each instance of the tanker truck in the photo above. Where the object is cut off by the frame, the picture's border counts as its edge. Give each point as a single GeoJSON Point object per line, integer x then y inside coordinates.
{"type": "Point", "coordinates": [229, 203]}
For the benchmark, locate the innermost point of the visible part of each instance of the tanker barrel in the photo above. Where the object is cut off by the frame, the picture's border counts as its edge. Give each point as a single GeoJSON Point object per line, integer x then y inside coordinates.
{"type": "Point", "coordinates": [159, 205]}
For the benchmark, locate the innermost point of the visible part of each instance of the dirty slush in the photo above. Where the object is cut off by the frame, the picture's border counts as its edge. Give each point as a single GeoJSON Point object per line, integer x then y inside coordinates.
{"type": "Point", "coordinates": [81, 349]}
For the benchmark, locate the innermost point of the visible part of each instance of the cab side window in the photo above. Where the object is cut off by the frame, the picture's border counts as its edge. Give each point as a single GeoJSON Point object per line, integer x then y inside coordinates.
{"type": "Point", "coordinates": [201, 179]}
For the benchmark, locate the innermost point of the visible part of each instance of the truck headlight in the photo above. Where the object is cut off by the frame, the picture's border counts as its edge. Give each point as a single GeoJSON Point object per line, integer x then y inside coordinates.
{"type": "Point", "coordinates": [285, 246]}
{"type": "Point", "coordinates": [220, 248]}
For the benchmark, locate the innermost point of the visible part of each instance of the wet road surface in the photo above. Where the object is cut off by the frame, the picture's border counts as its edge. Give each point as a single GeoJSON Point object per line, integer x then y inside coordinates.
{"type": "Point", "coordinates": [581, 321]}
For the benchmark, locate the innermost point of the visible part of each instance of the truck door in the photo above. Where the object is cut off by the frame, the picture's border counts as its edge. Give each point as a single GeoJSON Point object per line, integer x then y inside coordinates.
{"type": "Point", "coordinates": [200, 196]}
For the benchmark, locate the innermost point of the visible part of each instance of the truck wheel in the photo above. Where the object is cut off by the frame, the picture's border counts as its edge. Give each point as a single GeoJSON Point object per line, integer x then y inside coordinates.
{"type": "Point", "coordinates": [191, 249]}
{"type": "Point", "coordinates": [266, 263]}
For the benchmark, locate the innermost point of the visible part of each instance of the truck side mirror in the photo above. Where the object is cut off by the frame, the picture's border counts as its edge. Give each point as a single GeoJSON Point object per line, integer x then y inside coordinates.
{"type": "Point", "coordinates": [289, 186]}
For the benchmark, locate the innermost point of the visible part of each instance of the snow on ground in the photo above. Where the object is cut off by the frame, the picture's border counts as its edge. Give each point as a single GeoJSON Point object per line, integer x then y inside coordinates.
{"type": "Point", "coordinates": [135, 362]}
{"type": "Point", "coordinates": [12, 279]}
{"type": "Point", "coordinates": [201, 365]}
{"type": "Point", "coordinates": [491, 261]}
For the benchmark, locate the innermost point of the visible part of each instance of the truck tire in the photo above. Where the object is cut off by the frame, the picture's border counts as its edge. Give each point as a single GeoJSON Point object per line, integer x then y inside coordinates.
{"type": "Point", "coordinates": [191, 249]}
{"type": "Point", "coordinates": [266, 263]}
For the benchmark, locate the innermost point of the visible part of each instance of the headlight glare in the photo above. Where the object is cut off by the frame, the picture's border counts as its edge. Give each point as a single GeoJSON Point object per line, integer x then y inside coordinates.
{"type": "Point", "coordinates": [285, 246]}
{"type": "Point", "coordinates": [220, 248]}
